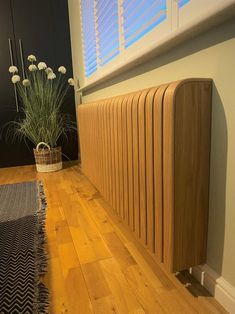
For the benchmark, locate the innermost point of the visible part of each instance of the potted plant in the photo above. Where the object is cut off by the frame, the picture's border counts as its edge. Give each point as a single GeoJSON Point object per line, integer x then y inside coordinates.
{"type": "Point", "coordinates": [42, 93]}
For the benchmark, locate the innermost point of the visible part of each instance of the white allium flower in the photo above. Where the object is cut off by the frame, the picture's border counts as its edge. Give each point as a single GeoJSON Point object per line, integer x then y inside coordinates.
{"type": "Point", "coordinates": [71, 82]}
{"type": "Point", "coordinates": [32, 68]}
{"type": "Point", "coordinates": [42, 66]}
{"type": "Point", "coordinates": [62, 69]}
{"type": "Point", "coordinates": [15, 79]}
{"type": "Point", "coordinates": [32, 58]}
{"type": "Point", "coordinates": [51, 76]}
{"type": "Point", "coordinates": [26, 82]}
{"type": "Point", "coordinates": [13, 69]}
{"type": "Point", "coordinates": [48, 70]}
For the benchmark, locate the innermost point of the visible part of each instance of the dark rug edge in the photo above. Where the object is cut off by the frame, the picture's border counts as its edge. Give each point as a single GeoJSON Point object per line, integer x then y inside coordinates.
{"type": "Point", "coordinates": [41, 304]}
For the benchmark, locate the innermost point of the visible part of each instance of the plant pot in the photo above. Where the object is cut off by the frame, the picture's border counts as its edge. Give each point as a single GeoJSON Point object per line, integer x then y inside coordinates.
{"type": "Point", "coordinates": [47, 159]}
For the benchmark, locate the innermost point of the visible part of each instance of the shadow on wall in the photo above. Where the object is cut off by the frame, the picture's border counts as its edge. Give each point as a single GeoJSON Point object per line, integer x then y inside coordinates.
{"type": "Point", "coordinates": [200, 42]}
{"type": "Point", "coordinates": [219, 147]}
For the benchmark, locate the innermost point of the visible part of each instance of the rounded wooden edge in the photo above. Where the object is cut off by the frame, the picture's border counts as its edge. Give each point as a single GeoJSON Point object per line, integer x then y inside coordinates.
{"type": "Point", "coordinates": [168, 166]}
{"type": "Point", "coordinates": [175, 85]}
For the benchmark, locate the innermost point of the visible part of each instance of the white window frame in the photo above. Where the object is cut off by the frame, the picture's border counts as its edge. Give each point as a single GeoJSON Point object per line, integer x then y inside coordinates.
{"type": "Point", "coordinates": [168, 33]}
{"type": "Point", "coordinates": [127, 54]}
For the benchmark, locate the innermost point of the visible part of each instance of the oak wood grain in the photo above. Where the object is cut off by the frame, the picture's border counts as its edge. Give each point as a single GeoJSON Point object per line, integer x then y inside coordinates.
{"type": "Point", "coordinates": [186, 164]}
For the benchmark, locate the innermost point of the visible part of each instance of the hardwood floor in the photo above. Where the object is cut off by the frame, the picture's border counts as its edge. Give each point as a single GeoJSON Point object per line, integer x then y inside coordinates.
{"type": "Point", "coordinates": [95, 264]}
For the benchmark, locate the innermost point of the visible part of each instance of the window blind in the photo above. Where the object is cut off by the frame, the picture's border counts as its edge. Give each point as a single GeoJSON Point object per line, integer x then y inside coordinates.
{"type": "Point", "coordinates": [107, 22]}
{"type": "Point", "coordinates": [89, 36]}
{"type": "Point", "coordinates": [111, 26]}
{"type": "Point", "coordinates": [181, 3]}
{"type": "Point", "coordinates": [140, 17]}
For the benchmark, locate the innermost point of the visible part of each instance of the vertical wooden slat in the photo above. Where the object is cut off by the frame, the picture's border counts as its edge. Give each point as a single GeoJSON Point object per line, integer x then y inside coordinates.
{"type": "Point", "coordinates": [97, 139]}
{"type": "Point", "coordinates": [186, 155]}
{"type": "Point", "coordinates": [192, 160]}
{"type": "Point", "coordinates": [98, 145]}
{"type": "Point", "coordinates": [120, 157]}
{"type": "Point", "coordinates": [90, 150]}
{"type": "Point", "coordinates": [80, 134]}
{"type": "Point", "coordinates": [109, 151]}
{"type": "Point", "coordinates": [142, 166]}
{"type": "Point", "coordinates": [168, 174]}
{"type": "Point", "coordinates": [83, 129]}
{"type": "Point", "coordinates": [116, 154]}
{"type": "Point", "coordinates": [149, 170]}
{"type": "Point", "coordinates": [130, 162]}
{"type": "Point", "coordinates": [89, 130]}
{"type": "Point", "coordinates": [106, 150]}
{"type": "Point", "coordinates": [91, 164]}
{"type": "Point", "coordinates": [95, 174]}
{"type": "Point", "coordinates": [112, 149]}
{"type": "Point", "coordinates": [135, 132]}
{"type": "Point", "coordinates": [125, 160]}
{"type": "Point", "coordinates": [158, 171]}
{"type": "Point", "coordinates": [103, 150]}
{"type": "Point", "coordinates": [89, 141]}
{"type": "Point", "coordinates": [82, 118]}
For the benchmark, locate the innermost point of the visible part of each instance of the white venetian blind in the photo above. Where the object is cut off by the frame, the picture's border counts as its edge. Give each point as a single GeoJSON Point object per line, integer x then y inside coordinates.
{"type": "Point", "coordinates": [107, 25]}
{"type": "Point", "coordinates": [181, 3]}
{"type": "Point", "coordinates": [140, 17]}
{"type": "Point", "coordinates": [89, 36]}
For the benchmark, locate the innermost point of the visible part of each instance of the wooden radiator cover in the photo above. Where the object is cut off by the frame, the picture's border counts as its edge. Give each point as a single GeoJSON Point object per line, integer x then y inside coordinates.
{"type": "Point", "coordinates": [148, 153]}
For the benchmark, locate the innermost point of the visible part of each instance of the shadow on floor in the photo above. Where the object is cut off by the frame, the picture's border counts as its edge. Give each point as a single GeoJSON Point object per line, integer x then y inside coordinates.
{"type": "Point", "coordinates": [192, 285]}
{"type": "Point", "coordinates": [70, 164]}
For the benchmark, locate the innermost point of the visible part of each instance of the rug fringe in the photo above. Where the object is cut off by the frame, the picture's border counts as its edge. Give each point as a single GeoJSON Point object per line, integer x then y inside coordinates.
{"type": "Point", "coordinates": [42, 293]}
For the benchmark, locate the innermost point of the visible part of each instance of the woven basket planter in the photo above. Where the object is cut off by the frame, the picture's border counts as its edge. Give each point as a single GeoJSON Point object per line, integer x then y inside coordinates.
{"type": "Point", "coordinates": [47, 159]}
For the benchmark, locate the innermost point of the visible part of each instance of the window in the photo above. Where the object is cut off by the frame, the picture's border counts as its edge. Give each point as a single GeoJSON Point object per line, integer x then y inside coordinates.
{"type": "Point", "coordinates": [106, 17]}
{"type": "Point", "coordinates": [111, 27]}
{"type": "Point", "coordinates": [181, 3]}
{"type": "Point", "coordinates": [117, 33]}
{"type": "Point", "coordinates": [89, 37]}
{"type": "Point", "coordinates": [140, 17]}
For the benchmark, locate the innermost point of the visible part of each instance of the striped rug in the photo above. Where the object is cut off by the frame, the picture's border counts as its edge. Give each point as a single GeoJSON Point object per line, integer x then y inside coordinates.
{"type": "Point", "coordinates": [22, 248]}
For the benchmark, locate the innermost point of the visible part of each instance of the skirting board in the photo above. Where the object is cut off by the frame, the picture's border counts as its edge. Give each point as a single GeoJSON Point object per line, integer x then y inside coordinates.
{"type": "Point", "coordinates": [218, 287]}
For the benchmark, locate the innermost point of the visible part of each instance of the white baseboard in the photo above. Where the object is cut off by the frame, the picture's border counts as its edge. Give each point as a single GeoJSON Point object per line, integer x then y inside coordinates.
{"type": "Point", "coordinates": [218, 287]}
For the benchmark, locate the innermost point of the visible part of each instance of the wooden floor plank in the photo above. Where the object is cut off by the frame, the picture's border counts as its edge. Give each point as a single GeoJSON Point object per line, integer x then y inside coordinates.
{"type": "Point", "coordinates": [118, 250]}
{"type": "Point", "coordinates": [95, 280]}
{"type": "Point", "coordinates": [105, 305]}
{"type": "Point", "coordinates": [77, 294]}
{"type": "Point", "coordinates": [124, 298]}
{"type": "Point", "coordinates": [145, 294]}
